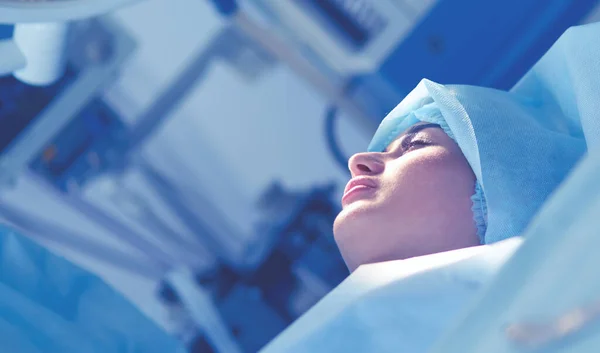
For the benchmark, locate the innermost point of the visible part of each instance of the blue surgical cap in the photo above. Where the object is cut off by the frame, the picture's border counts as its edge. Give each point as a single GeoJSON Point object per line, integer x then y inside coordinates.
{"type": "Point", "coordinates": [520, 144]}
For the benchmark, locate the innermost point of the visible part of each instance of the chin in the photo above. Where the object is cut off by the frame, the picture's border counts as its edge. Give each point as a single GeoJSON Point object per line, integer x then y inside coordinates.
{"type": "Point", "coordinates": [348, 218]}
{"type": "Point", "coordinates": [352, 223]}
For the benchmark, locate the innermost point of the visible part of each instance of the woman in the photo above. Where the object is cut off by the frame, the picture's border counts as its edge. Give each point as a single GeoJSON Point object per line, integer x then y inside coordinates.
{"type": "Point", "coordinates": [413, 193]}
{"type": "Point", "coordinates": [454, 167]}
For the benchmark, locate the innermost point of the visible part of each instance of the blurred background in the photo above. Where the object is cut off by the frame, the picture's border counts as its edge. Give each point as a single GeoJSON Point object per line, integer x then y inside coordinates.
{"type": "Point", "coordinates": [192, 153]}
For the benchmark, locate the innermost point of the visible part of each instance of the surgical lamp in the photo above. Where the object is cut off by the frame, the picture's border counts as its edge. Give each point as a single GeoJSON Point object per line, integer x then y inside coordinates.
{"type": "Point", "coordinates": [35, 52]}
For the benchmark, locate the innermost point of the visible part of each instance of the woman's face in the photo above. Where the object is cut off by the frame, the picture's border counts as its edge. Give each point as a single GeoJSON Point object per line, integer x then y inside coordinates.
{"type": "Point", "coordinates": [412, 199]}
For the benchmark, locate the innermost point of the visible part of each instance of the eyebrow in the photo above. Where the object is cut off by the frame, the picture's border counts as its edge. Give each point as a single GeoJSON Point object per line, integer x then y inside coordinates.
{"type": "Point", "coordinates": [411, 131]}
{"type": "Point", "coordinates": [419, 127]}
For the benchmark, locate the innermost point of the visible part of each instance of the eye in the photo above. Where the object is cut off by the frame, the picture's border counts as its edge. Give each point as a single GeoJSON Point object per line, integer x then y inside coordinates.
{"type": "Point", "coordinates": [415, 144]}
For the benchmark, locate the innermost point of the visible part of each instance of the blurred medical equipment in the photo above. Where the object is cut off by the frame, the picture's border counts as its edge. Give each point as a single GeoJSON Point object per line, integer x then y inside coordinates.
{"type": "Point", "coordinates": [48, 303]}
{"type": "Point", "coordinates": [35, 48]}
{"type": "Point", "coordinates": [300, 265]}
{"type": "Point", "coordinates": [65, 135]}
{"type": "Point", "coordinates": [365, 56]}
{"type": "Point", "coordinates": [34, 115]}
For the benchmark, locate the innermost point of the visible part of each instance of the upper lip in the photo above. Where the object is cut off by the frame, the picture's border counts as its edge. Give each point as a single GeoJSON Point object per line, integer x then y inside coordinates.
{"type": "Point", "coordinates": [362, 180]}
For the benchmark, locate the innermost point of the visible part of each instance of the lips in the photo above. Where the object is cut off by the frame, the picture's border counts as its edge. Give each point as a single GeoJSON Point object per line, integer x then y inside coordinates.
{"type": "Point", "coordinates": [357, 186]}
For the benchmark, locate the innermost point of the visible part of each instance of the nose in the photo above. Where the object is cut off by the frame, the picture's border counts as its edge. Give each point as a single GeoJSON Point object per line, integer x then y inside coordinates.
{"type": "Point", "coordinates": [365, 164]}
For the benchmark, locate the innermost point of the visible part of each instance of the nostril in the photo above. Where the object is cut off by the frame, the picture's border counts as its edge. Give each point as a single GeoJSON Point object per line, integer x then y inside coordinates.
{"type": "Point", "coordinates": [363, 168]}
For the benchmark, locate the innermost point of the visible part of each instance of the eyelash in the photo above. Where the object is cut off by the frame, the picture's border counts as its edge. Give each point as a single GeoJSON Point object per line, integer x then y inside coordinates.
{"type": "Point", "coordinates": [415, 143]}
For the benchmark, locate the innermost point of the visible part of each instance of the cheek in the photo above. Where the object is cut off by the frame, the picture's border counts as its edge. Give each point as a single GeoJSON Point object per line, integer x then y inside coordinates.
{"type": "Point", "coordinates": [421, 172]}
{"type": "Point", "coordinates": [428, 187]}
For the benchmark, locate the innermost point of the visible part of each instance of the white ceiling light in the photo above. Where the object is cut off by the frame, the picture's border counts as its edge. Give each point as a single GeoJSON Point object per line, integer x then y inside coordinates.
{"type": "Point", "coordinates": [36, 53]}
